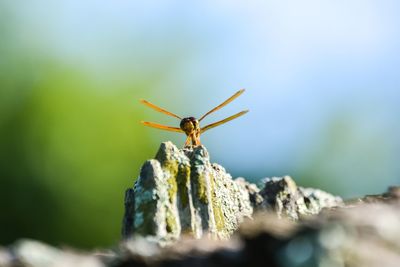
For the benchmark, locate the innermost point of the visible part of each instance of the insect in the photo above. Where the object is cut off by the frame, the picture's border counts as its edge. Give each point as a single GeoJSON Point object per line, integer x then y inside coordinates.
{"type": "Point", "coordinates": [190, 125]}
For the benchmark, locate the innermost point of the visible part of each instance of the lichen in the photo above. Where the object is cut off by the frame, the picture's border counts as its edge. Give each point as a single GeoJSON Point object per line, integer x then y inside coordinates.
{"type": "Point", "coordinates": [216, 206]}
{"type": "Point", "coordinates": [172, 188]}
{"type": "Point", "coordinates": [181, 192]}
{"type": "Point", "coordinates": [170, 169]}
{"type": "Point", "coordinates": [183, 181]}
{"type": "Point", "coordinates": [171, 225]}
{"type": "Point", "coordinates": [201, 182]}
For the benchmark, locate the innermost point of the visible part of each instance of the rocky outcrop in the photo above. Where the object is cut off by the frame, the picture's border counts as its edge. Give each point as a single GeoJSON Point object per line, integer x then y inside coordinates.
{"type": "Point", "coordinates": [181, 192]}
{"type": "Point", "coordinates": [283, 196]}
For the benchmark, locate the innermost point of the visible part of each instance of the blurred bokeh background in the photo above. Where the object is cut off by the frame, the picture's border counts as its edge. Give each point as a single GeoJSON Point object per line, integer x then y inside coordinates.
{"type": "Point", "coordinates": [323, 89]}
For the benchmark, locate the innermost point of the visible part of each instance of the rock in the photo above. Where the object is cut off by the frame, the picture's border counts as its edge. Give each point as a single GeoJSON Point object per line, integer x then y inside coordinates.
{"type": "Point", "coordinates": [281, 194]}
{"type": "Point", "coordinates": [391, 196]}
{"type": "Point", "coordinates": [316, 200]}
{"type": "Point", "coordinates": [6, 259]}
{"type": "Point", "coordinates": [32, 253]}
{"type": "Point", "coordinates": [254, 192]}
{"type": "Point", "coordinates": [365, 235]}
{"type": "Point", "coordinates": [180, 192]}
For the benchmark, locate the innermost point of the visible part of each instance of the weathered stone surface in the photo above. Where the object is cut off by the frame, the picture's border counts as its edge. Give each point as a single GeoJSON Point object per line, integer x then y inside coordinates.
{"type": "Point", "coordinates": [364, 234]}
{"type": "Point", "coordinates": [392, 195]}
{"type": "Point", "coordinates": [254, 192]}
{"type": "Point", "coordinates": [32, 253]}
{"type": "Point", "coordinates": [282, 195]}
{"type": "Point", "coordinates": [181, 192]}
{"type": "Point", "coordinates": [315, 200]}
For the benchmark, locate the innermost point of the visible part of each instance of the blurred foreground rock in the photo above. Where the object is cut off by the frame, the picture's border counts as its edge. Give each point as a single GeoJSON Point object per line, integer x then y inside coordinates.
{"type": "Point", "coordinates": [362, 235]}
{"type": "Point", "coordinates": [32, 253]}
{"type": "Point", "coordinates": [365, 233]}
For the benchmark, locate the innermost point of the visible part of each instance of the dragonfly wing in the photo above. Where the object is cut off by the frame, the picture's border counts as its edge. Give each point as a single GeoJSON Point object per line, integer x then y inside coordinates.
{"type": "Point", "coordinates": [215, 124]}
{"type": "Point", "coordinates": [226, 102]}
{"type": "Point", "coordinates": [157, 108]}
{"type": "Point", "coordinates": [162, 127]}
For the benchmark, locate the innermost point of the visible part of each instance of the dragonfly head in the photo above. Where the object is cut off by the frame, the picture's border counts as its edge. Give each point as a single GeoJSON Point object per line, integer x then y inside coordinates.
{"type": "Point", "coordinates": [190, 125]}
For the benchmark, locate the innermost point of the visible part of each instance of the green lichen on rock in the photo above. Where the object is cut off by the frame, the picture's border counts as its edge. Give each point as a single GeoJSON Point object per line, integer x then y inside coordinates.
{"type": "Point", "coordinates": [183, 182]}
{"type": "Point", "coordinates": [201, 182]}
{"type": "Point", "coordinates": [180, 191]}
{"type": "Point", "coordinates": [171, 226]}
{"type": "Point", "coordinates": [216, 205]}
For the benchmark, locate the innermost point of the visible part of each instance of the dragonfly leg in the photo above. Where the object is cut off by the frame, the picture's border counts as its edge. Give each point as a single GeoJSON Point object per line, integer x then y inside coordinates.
{"type": "Point", "coordinates": [196, 139]}
{"type": "Point", "coordinates": [188, 140]}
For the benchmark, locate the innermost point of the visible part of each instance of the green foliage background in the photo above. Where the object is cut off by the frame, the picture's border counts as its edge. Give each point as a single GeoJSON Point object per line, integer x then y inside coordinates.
{"type": "Point", "coordinates": [70, 138]}
{"type": "Point", "coordinates": [68, 149]}
{"type": "Point", "coordinates": [66, 156]}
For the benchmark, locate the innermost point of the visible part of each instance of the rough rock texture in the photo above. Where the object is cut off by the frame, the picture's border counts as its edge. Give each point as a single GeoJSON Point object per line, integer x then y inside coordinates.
{"type": "Point", "coordinates": [365, 233]}
{"type": "Point", "coordinates": [32, 253]}
{"type": "Point", "coordinates": [181, 192]}
{"type": "Point", "coordinates": [254, 192]}
{"type": "Point", "coordinates": [282, 195]}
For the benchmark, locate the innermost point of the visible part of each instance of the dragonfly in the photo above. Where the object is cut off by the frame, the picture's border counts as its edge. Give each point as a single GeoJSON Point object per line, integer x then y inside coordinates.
{"type": "Point", "coordinates": [190, 125]}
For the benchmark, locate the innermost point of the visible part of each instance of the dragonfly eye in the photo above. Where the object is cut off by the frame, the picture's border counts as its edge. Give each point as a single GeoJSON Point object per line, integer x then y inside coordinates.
{"type": "Point", "coordinates": [188, 125]}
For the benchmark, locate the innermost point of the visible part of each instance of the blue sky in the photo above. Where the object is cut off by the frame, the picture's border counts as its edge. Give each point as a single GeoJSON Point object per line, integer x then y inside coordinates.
{"type": "Point", "coordinates": [321, 76]}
